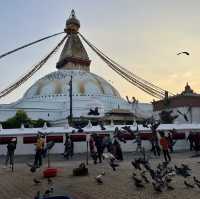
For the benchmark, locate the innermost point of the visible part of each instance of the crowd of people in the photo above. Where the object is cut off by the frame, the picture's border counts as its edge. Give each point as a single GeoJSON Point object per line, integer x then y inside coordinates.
{"type": "Point", "coordinates": [161, 142]}
{"type": "Point", "coordinates": [194, 140]}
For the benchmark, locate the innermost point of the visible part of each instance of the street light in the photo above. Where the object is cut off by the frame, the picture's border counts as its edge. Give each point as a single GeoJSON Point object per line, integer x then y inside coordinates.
{"type": "Point", "coordinates": [70, 100]}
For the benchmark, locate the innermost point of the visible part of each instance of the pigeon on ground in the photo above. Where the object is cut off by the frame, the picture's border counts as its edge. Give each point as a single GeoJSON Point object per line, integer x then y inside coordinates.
{"type": "Point", "coordinates": [186, 167]}
{"type": "Point", "coordinates": [49, 181]}
{"type": "Point", "coordinates": [182, 171]}
{"type": "Point", "coordinates": [108, 156]}
{"type": "Point", "coordinates": [136, 164]}
{"type": "Point", "coordinates": [48, 192]}
{"type": "Point", "coordinates": [136, 179]}
{"type": "Point", "coordinates": [37, 195]}
{"type": "Point", "coordinates": [169, 187]}
{"type": "Point", "coordinates": [168, 180]}
{"type": "Point", "coordinates": [99, 179]}
{"type": "Point", "coordinates": [113, 165]}
{"type": "Point", "coordinates": [144, 177]}
{"type": "Point", "coordinates": [188, 185]}
{"type": "Point", "coordinates": [196, 180]}
{"type": "Point", "coordinates": [139, 185]}
{"type": "Point", "coordinates": [157, 187]}
{"type": "Point", "coordinates": [32, 167]}
{"type": "Point", "coordinates": [198, 185]}
{"type": "Point", "coordinates": [36, 181]}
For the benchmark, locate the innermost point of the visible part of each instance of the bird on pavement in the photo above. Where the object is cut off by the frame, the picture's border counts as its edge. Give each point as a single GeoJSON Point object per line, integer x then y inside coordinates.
{"type": "Point", "coordinates": [113, 165]}
{"type": "Point", "coordinates": [36, 181]}
{"type": "Point", "coordinates": [196, 180]}
{"type": "Point", "coordinates": [144, 177]}
{"type": "Point", "coordinates": [49, 181]}
{"type": "Point", "coordinates": [139, 185]}
{"type": "Point", "coordinates": [157, 187]}
{"type": "Point", "coordinates": [32, 167]}
{"type": "Point", "coordinates": [169, 187]}
{"type": "Point", "coordinates": [188, 185]}
{"type": "Point", "coordinates": [136, 164]}
{"type": "Point", "coordinates": [37, 195]}
{"type": "Point", "coordinates": [99, 179]}
{"type": "Point", "coordinates": [48, 192]}
{"type": "Point", "coordinates": [136, 179]}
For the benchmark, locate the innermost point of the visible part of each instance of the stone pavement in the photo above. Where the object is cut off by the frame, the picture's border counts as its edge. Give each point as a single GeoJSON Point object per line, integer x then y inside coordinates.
{"type": "Point", "coordinates": [117, 185]}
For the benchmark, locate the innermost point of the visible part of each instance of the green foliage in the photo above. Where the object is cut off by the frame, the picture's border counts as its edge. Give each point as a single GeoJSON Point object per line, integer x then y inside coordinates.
{"type": "Point", "coordinates": [22, 118]}
{"type": "Point", "coordinates": [39, 123]}
{"type": "Point", "coordinates": [16, 121]}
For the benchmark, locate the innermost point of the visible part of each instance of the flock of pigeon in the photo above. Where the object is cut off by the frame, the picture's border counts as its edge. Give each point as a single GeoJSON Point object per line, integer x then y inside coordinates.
{"type": "Point", "coordinates": [160, 177]}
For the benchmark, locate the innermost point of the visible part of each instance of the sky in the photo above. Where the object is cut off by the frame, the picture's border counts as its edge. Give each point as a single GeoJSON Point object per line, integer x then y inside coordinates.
{"type": "Point", "coordinates": [141, 35]}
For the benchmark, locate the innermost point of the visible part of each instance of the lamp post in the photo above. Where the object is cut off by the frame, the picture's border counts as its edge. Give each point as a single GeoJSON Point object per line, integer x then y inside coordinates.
{"type": "Point", "coordinates": [70, 99]}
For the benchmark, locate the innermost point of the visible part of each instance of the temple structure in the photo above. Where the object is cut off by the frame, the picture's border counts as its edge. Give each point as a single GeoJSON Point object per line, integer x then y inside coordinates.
{"type": "Point", "coordinates": [92, 96]}
{"type": "Point", "coordinates": [184, 107]}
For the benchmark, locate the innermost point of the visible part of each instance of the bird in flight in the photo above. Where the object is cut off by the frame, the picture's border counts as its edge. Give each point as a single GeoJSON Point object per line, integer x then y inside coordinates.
{"type": "Point", "coordinates": [183, 52]}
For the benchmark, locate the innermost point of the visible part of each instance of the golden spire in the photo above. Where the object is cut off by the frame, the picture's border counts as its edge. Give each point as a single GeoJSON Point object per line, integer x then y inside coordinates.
{"type": "Point", "coordinates": [72, 24]}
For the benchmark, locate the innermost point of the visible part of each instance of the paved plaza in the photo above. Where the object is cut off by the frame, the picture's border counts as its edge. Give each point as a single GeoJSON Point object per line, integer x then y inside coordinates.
{"type": "Point", "coordinates": [116, 184]}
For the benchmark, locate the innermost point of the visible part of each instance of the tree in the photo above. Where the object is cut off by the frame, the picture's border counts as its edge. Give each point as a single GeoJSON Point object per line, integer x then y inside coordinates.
{"type": "Point", "coordinates": [16, 121]}
{"type": "Point", "coordinates": [20, 118]}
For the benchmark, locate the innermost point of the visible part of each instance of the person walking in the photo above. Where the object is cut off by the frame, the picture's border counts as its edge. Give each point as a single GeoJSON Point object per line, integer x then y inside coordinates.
{"type": "Point", "coordinates": [39, 151]}
{"type": "Point", "coordinates": [107, 143]}
{"type": "Point", "coordinates": [99, 147]}
{"type": "Point", "coordinates": [93, 150]}
{"type": "Point", "coordinates": [190, 138]}
{"type": "Point", "coordinates": [196, 143]}
{"type": "Point", "coordinates": [10, 152]}
{"type": "Point", "coordinates": [69, 147]}
{"type": "Point", "coordinates": [116, 149]}
{"type": "Point", "coordinates": [165, 146]}
{"type": "Point", "coordinates": [170, 141]}
{"type": "Point", "coordinates": [155, 144]}
{"type": "Point", "coordinates": [138, 141]}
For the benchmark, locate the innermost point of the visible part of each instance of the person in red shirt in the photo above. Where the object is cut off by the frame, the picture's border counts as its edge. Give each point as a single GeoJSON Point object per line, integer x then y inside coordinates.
{"type": "Point", "coordinates": [165, 146]}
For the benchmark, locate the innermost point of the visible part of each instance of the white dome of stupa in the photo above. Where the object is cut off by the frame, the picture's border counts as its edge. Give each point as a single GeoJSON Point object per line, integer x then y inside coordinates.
{"type": "Point", "coordinates": [83, 84]}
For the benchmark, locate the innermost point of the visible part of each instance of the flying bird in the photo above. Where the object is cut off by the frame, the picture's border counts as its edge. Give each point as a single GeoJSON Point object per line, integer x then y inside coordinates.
{"type": "Point", "coordinates": [183, 52]}
{"type": "Point", "coordinates": [184, 115]}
